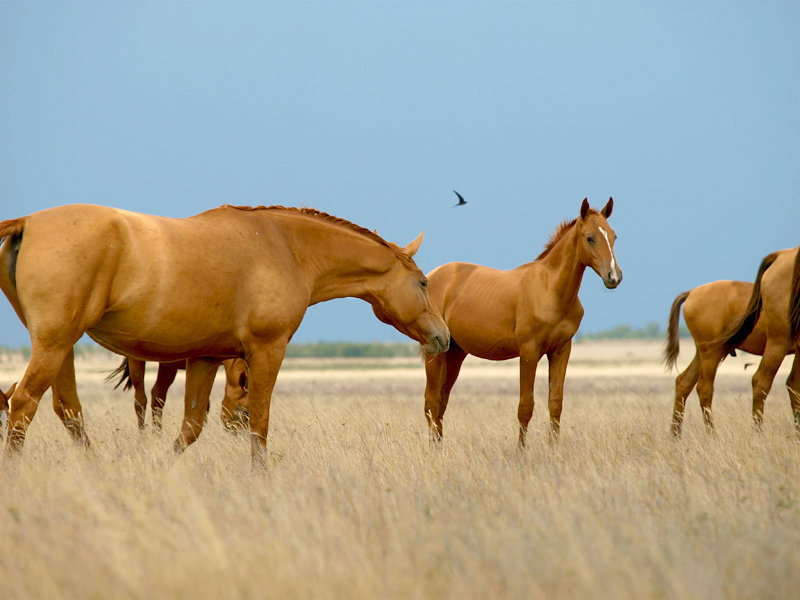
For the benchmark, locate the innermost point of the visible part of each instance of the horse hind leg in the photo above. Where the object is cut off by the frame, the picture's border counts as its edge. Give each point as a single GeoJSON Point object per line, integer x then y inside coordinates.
{"type": "Point", "coordinates": [44, 367]}
{"type": "Point", "coordinates": [705, 387]}
{"type": "Point", "coordinates": [164, 379]}
{"type": "Point", "coordinates": [684, 384]}
{"type": "Point", "coordinates": [136, 373]}
{"type": "Point", "coordinates": [66, 403]}
{"type": "Point", "coordinates": [763, 378]}
{"type": "Point", "coordinates": [199, 381]}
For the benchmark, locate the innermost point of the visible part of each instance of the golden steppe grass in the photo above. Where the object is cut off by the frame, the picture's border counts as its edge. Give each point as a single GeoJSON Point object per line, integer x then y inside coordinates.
{"type": "Point", "coordinates": [356, 503]}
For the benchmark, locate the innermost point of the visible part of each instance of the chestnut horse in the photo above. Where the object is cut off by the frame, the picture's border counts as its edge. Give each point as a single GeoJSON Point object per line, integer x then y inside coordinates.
{"type": "Point", "coordinates": [234, 413]}
{"type": "Point", "coordinates": [527, 312]}
{"type": "Point", "coordinates": [775, 300]}
{"type": "Point", "coordinates": [709, 311]}
{"type": "Point", "coordinates": [229, 282]}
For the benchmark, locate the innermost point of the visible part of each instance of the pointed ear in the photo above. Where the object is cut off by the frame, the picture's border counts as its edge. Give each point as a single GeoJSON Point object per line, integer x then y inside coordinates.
{"type": "Point", "coordinates": [606, 212]}
{"type": "Point", "coordinates": [584, 207]}
{"type": "Point", "coordinates": [412, 248]}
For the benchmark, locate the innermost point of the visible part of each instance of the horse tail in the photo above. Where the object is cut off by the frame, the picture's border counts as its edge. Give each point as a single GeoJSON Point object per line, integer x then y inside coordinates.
{"type": "Point", "coordinates": [794, 301]}
{"type": "Point", "coordinates": [123, 371]}
{"type": "Point", "coordinates": [12, 227]}
{"type": "Point", "coordinates": [673, 337]}
{"type": "Point", "coordinates": [743, 326]}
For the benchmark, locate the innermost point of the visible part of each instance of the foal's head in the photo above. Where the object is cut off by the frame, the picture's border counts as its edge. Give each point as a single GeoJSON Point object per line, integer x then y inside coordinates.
{"type": "Point", "coordinates": [402, 301]}
{"type": "Point", "coordinates": [596, 243]}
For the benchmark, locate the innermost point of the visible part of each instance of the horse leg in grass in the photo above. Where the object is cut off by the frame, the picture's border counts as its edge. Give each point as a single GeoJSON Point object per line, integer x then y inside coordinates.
{"type": "Point", "coordinates": [136, 373]}
{"type": "Point", "coordinates": [43, 368]}
{"type": "Point", "coordinates": [793, 386]}
{"type": "Point", "coordinates": [684, 384]}
{"type": "Point", "coordinates": [441, 371]}
{"type": "Point", "coordinates": [763, 377]}
{"type": "Point", "coordinates": [528, 360]}
{"type": "Point", "coordinates": [164, 378]}
{"type": "Point", "coordinates": [65, 400]}
{"type": "Point", "coordinates": [263, 361]}
{"type": "Point", "coordinates": [200, 374]}
{"type": "Point", "coordinates": [557, 371]}
{"type": "Point", "coordinates": [709, 364]}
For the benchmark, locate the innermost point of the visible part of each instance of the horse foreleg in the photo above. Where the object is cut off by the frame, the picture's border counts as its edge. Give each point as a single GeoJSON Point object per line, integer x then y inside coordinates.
{"type": "Point", "coordinates": [42, 370]}
{"type": "Point", "coordinates": [65, 400]}
{"type": "Point", "coordinates": [705, 387]}
{"type": "Point", "coordinates": [164, 378]}
{"type": "Point", "coordinates": [763, 377]}
{"type": "Point", "coordinates": [263, 363]}
{"type": "Point", "coordinates": [136, 373]}
{"type": "Point", "coordinates": [684, 383]}
{"type": "Point", "coordinates": [200, 374]}
{"type": "Point", "coordinates": [557, 371]}
{"type": "Point", "coordinates": [528, 360]}
{"type": "Point", "coordinates": [793, 386]}
{"type": "Point", "coordinates": [441, 372]}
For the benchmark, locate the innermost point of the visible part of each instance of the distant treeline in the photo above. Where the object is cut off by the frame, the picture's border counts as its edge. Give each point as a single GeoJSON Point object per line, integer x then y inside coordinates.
{"type": "Point", "coordinates": [390, 349]}
{"type": "Point", "coordinates": [625, 332]}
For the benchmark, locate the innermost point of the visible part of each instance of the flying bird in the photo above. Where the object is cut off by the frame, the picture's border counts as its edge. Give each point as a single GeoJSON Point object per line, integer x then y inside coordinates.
{"type": "Point", "coordinates": [461, 201]}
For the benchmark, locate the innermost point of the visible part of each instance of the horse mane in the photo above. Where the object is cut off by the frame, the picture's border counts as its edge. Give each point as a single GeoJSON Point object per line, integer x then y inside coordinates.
{"type": "Point", "coordinates": [556, 236]}
{"type": "Point", "coordinates": [318, 214]}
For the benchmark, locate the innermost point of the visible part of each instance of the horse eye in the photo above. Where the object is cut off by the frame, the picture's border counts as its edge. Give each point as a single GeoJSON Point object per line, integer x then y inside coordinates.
{"type": "Point", "coordinates": [424, 283]}
{"type": "Point", "coordinates": [590, 239]}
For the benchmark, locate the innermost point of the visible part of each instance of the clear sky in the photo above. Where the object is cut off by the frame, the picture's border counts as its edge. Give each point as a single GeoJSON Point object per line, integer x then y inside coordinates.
{"type": "Point", "coordinates": [688, 113]}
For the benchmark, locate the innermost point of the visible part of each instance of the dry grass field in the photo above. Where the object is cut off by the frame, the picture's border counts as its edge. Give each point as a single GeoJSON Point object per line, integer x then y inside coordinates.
{"type": "Point", "coordinates": [358, 504]}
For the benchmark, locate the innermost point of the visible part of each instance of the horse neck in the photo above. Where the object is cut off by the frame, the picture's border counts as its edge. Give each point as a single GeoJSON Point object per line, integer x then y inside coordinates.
{"type": "Point", "coordinates": [565, 266]}
{"type": "Point", "coordinates": [337, 262]}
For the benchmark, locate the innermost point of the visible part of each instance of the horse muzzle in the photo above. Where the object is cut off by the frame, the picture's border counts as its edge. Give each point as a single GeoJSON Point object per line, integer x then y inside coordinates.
{"type": "Point", "coordinates": [612, 279]}
{"type": "Point", "coordinates": [437, 344]}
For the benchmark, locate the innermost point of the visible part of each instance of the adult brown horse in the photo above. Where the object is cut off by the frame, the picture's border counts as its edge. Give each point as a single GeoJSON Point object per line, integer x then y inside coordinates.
{"type": "Point", "coordinates": [130, 374]}
{"type": "Point", "coordinates": [229, 282]}
{"type": "Point", "coordinates": [528, 312]}
{"type": "Point", "coordinates": [775, 300]}
{"type": "Point", "coordinates": [709, 311]}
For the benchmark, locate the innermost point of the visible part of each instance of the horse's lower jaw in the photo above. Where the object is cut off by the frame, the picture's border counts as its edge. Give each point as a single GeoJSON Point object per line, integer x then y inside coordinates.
{"type": "Point", "coordinates": [611, 285]}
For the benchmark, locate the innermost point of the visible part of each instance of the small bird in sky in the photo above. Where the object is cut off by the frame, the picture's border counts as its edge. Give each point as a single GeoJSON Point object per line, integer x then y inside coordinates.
{"type": "Point", "coordinates": [461, 201]}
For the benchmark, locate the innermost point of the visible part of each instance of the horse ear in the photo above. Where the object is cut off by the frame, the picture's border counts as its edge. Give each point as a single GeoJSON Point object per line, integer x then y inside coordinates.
{"type": "Point", "coordinates": [412, 248]}
{"type": "Point", "coordinates": [584, 207]}
{"type": "Point", "coordinates": [606, 212]}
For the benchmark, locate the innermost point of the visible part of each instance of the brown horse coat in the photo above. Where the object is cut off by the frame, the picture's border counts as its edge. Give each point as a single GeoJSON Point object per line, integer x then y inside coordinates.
{"type": "Point", "coordinates": [229, 282]}
{"type": "Point", "coordinates": [775, 300]}
{"type": "Point", "coordinates": [530, 311]}
{"type": "Point", "coordinates": [709, 311]}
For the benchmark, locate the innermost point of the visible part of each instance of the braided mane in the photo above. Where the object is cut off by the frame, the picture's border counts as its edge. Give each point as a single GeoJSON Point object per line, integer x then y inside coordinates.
{"type": "Point", "coordinates": [318, 214]}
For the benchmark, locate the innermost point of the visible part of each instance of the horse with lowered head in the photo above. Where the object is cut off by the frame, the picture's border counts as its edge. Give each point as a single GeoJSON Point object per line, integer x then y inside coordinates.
{"type": "Point", "coordinates": [529, 312]}
{"type": "Point", "coordinates": [229, 282]}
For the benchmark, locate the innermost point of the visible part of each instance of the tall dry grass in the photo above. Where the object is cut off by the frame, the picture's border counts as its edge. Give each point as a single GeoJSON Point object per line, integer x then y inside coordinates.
{"type": "Point", "coordinates": [358, 504]}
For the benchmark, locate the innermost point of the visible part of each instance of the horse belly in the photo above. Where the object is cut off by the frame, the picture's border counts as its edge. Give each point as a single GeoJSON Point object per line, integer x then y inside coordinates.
{"type": "Point", "coordinates": [154, 337]}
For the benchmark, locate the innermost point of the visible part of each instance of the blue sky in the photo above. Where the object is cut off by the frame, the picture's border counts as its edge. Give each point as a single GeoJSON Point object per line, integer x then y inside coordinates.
{"type": "Point", "coordinates": [686, 112]}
